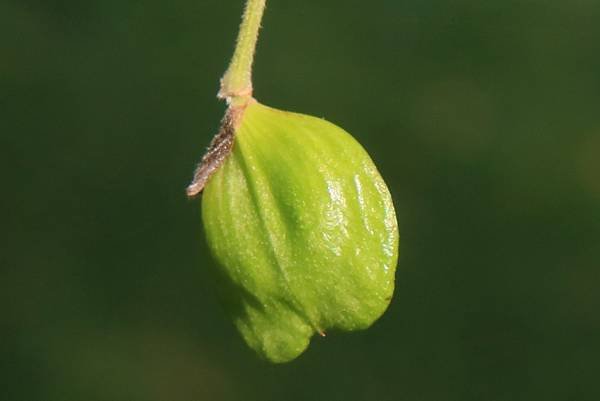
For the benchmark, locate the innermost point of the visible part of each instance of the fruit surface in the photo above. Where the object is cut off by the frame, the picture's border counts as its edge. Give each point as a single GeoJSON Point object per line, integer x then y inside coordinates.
{"type": "Point", "coordinates": [303, 229]}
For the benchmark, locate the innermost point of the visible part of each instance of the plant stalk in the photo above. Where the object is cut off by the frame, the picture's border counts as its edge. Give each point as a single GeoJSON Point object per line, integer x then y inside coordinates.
{"type": "Point", "coordinates": [236, 84]}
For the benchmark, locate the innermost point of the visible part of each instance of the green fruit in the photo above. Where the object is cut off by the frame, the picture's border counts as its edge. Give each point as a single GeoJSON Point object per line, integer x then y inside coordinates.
{"type": "Point", "coordinates": [303, 228]}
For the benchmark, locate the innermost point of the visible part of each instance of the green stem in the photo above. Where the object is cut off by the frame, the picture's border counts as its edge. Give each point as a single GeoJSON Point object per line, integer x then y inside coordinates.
{"type": "Point", "coordinates": [236, 84]}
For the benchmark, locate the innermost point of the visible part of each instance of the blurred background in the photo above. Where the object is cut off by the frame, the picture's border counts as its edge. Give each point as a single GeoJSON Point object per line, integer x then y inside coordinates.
{"type": "Point", "coordinates": [482, 116]}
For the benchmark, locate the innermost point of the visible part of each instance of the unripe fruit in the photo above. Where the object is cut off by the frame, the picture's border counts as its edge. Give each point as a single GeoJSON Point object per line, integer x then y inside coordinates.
{"type": "Point", "coordinates": [302, 226]}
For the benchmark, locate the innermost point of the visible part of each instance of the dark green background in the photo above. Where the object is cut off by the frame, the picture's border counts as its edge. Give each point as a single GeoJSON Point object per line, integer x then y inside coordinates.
{"type": "Point", "coordinates": [482, 116]}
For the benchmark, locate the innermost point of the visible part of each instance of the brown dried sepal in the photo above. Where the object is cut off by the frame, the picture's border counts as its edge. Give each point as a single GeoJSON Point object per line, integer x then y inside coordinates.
{"type": "Point", "coordinates": [220, 147]}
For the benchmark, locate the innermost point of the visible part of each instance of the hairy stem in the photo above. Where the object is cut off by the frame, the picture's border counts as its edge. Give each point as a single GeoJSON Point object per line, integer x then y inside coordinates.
{"type": "Point", "coordinates": [236, 84]}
